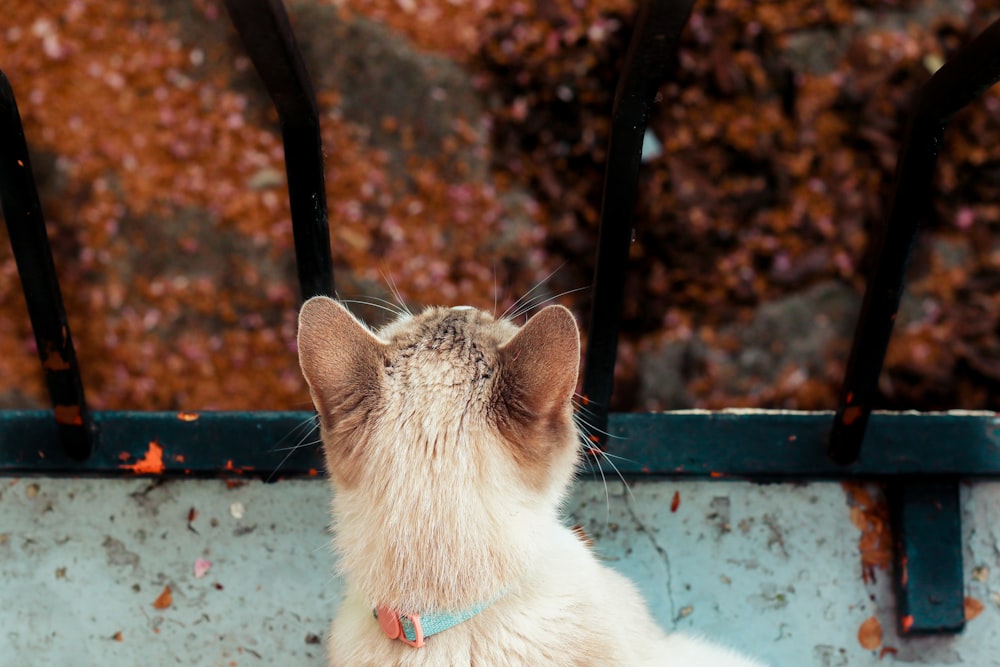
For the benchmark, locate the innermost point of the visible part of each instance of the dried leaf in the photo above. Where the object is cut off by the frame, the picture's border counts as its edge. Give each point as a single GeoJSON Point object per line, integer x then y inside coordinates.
{"type": "Point", "coordinates": [973, 608]}
{"type": "Point", "coordinates": [165, 599]}
{"type": "Point", "coordinates": [870, 634]}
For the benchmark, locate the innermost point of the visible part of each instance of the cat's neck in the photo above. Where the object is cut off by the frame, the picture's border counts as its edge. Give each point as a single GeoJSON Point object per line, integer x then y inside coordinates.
{"type": "Point", "coordinates": [463, 549]}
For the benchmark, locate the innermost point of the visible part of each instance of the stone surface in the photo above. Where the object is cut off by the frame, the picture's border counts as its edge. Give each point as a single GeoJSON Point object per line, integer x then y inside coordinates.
{"type": "Point", "coordinates": [769, 569]}
{"type": "Point", "coordinates": [802, 331]}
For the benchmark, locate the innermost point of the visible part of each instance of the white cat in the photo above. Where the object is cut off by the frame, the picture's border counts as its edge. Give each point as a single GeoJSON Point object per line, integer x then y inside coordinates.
{"type": "Point", "coordinates": [450, 443]}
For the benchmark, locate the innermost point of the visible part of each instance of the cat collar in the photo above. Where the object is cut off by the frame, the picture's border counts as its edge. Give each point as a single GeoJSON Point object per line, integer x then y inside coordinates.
{"type": "Point", "coordinates": [413, 629]}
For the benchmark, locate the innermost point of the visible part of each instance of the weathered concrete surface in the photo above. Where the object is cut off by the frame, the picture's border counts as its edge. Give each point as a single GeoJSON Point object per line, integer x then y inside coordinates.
{"type": "Point", "coordinates": [773, 570]}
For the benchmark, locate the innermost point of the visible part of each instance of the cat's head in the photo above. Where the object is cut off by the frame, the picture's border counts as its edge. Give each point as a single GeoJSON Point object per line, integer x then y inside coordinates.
{"type": "Point", "coordinates": [446, 432]}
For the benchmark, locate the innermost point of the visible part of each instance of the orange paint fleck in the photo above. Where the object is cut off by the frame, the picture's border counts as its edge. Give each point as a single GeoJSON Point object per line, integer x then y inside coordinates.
{"type": "Point", "coordinates": [973, 608]}
{"type": "Point", "coordinates": [150, 464]}
{"type": "Point", "coordinates": [188, 416]}
{"type": "Point", "coordinates": [165, 599]}
{"type": "Point", "coordinates": [870, 633]}
{"type": "Point", "coordinates": [852, 414]}
{"type": "Point", "coordinates": [906, 623]}
{"type": "Point", "coordinates": [676, 502]}
{"type": "Point", "coordinates": [68, 414]}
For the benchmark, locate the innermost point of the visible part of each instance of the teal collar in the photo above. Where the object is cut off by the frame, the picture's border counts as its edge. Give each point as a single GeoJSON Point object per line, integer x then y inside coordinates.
{"type": "Point", "coordinates": [413, 629]}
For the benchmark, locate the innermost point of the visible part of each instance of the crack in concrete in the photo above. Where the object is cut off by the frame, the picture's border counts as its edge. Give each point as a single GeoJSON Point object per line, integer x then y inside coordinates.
{"type": "Point", "coordinates": [664, 556]}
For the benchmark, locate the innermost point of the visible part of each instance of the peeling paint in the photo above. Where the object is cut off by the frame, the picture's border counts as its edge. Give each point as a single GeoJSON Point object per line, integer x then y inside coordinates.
{"type": "Point", "coordinates": [150, 464]}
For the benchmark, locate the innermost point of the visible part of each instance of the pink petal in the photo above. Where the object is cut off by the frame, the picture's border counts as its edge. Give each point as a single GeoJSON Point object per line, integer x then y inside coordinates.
{"type": "Point", "coordinates": [201, 567]}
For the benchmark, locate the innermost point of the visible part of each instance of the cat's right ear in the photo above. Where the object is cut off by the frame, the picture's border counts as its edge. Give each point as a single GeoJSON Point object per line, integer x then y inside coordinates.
{"type": "Point", "coordinates": [339, 357]}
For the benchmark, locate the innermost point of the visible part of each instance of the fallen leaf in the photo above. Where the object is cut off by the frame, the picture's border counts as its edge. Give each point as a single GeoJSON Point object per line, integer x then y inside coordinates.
{"type": "Point", "coordinates": [973, 608]}
{"type": "Point", "coordinates": [870, 634]}
{"type": "Point", "coordinates": [165, 599]}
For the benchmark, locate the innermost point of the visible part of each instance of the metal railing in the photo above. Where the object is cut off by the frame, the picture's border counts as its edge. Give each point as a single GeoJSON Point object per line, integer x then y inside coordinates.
{"type": "Point", "coordinates": [921, 457]}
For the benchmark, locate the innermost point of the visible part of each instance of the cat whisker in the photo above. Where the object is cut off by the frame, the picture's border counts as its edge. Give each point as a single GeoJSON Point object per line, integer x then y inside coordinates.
{"type": "Point", "coordinates": [304, 441]}
{"type": "Point", "coordinates": [524, 296]}
{"type": "Point", "coordinates": [496, 290]}
{"type": "Point", "coordinates": [590, 428]}
{"type": "Point", "coordinates": [606, 457]}
{"type": "Point", "coordinates": [298, 446]}
{"type": "Point", "coordinates": [541, 300]}
{"type": "Point", "coordinates": [387, 306]}
{"type": "Point", "coordinates": [309, 421]}
{"type": "Point", "coordinates": [395, 292]}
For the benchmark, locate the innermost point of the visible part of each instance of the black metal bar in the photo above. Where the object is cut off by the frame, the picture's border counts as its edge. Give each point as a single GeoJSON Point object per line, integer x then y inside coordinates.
{"type": "Point", "coordinates": [703, 445]}
{"type": "Point", "coordinates": [926, 521]}
{"type": "Point", "coordinates": [29, 241]}
{"type": "Point", "coordinates": [964, 77]}
{"type": "Point", "coordinates": [267, 36]}
{"type": "Point", "coordinates": [651, 56]}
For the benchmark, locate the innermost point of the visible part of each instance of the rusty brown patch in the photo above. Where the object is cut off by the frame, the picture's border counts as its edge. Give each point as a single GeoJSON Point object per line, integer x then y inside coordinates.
{"type": "Point", "coordinates": [870, 516]}
{"type": "Point", "coordinates": [68, 414]}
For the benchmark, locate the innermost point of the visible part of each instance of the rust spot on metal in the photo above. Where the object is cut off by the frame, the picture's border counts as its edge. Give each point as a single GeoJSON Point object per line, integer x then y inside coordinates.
{"type": "Point", "coordinates": [68, 415]}
{"type": "Point", "coordinates": [852, 414]}
{"type": "Point", "coordinates": [150, 464]}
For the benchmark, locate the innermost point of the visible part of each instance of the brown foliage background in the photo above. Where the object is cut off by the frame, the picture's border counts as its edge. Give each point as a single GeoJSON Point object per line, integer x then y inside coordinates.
{"type": "Point", "coordinates": [162, 179]}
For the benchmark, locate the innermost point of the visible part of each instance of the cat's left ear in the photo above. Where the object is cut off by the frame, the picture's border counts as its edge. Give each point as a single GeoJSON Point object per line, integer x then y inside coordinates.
{"type": "Point", "coordinates": [540, 364]}
{"type": "Point", "coordinates": [339, 357]}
